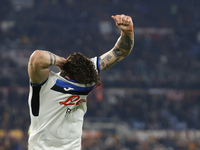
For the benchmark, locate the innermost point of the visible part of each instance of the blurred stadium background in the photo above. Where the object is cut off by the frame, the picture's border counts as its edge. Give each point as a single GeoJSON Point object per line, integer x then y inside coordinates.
{"type": "Point", "coordinates": [149, 101]}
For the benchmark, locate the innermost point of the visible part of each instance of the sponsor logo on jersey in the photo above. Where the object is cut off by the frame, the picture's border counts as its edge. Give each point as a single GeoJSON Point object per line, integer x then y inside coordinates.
{"type": "Point", "coordinates": [69, 110]}
{"type": "Point", "coordinates": [73, 100]}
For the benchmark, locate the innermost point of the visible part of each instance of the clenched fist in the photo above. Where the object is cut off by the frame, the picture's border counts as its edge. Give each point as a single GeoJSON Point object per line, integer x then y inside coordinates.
{"type": "Point", "coordinates": [124, 23]}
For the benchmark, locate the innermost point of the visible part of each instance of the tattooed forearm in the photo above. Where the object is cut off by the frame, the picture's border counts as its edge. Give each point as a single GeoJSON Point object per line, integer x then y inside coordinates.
{"type": "Point", "coordinates": [52, 59]}
{"type": "Point", "coordinates": [122, 48]}
{"type": "Point", "coordinates": [125, 42]}
{"type": "Point", "coordinates": [117, 52]}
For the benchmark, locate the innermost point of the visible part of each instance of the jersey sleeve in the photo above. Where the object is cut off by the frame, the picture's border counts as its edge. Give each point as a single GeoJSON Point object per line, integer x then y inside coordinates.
{"type": "Point", "coordinates": [96, 62]}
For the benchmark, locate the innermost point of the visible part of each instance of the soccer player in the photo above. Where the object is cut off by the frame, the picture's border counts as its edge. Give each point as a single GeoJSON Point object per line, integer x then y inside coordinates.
{"type": "Point", "coordinates": [57, 101]}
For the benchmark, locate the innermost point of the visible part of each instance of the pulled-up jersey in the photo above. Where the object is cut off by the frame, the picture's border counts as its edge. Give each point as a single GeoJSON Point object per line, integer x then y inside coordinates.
{"type": "Point", "coordinates": [57, 108]}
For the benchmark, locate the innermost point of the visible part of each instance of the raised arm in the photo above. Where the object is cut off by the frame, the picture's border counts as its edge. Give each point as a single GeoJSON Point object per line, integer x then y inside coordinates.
{"type": "Point", "coordinates": [39, 63]}
{"type": "Point", "coordinates": [124, 44]}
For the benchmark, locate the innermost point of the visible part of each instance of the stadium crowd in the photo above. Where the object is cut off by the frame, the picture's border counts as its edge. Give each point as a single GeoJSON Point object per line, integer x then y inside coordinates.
{"type": "Point", "coordinates": [166, 55]}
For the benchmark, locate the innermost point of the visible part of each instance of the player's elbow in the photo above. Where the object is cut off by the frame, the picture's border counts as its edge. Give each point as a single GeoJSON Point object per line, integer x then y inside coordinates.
{"type": "Point", "coordinates": [36, 57]}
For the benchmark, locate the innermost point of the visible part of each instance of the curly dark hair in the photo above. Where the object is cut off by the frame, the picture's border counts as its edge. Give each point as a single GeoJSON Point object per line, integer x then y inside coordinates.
{"type": "Point", "coordinates": [80, 69]}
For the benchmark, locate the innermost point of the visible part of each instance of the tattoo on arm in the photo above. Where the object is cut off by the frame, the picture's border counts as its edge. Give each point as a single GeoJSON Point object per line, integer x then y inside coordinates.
{"type": "Point", "coordinates": [102, 63]}
{"type": "Point", "coordinates": [125, 42]}
{"type": "Point", "coordinates": [117, 52]}
{"type": "Point", "coordinates": [105, 62]}
{"type": "Point", "coordinates": [121, 49]}
{"type": "Point", "coordinates": [108, 65]}
{"type": "Point", "coordinates": [52, 59]}
{"type": "Point", "coordinates": [108, 57]}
